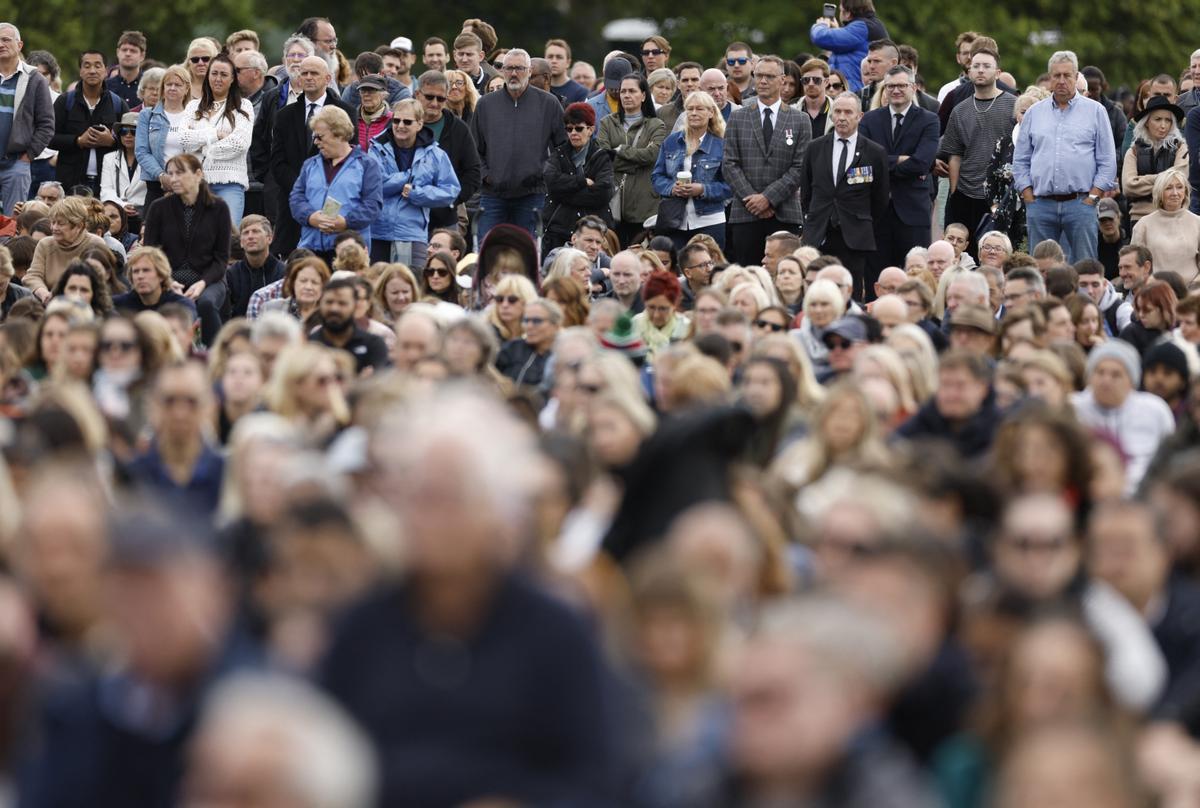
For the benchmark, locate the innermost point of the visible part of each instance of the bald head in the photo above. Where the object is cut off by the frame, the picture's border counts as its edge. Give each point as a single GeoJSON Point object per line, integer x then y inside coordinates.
{"type": "Point", "coordinates": [890, 311]}
{"type": "Point", "coordinates": [714, 83]}
{"type": "Point", "coordinates": [539, 73]}
{"type": "Point", "coordinates": [314, 76]}
{"type": "Point", "coordinates": [890, 279]}
{"type": "Point", "coordinates": [939, 257]}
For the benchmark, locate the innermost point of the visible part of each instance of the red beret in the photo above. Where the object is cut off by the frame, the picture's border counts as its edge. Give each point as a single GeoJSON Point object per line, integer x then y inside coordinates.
{"type": "Point", "coordinates": [662, 283]}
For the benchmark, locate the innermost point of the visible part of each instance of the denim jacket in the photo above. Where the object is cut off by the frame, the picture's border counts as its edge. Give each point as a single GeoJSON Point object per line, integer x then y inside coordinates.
{"type": "Point", "coordinates": [150, 142]}
{"type": "Point", "coordinates": [706, 170]}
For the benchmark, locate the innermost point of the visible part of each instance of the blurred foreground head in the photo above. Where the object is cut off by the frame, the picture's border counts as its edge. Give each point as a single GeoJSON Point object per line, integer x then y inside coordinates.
{"type": "Point", "coordinates": [270, 742]}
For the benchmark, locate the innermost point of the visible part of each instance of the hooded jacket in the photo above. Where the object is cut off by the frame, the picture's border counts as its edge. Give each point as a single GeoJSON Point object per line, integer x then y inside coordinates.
{"type": "Point", "coordinates": [571, 198]}
{"type": "Point", "coordinates": [356, 186]}
{"type": "Point", "coordinates": [433, 186]}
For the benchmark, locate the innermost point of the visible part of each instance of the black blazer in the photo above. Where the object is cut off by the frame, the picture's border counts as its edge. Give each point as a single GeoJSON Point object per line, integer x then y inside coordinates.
{"type": "Point", "coordinates": [459, 146]}
{"type": "Point", "coordinates": [911, 182]}
{"type": "Point", "coordinates": [208, 248]}
{"type": "Point", "coordinates": [858, 204]}
{"type": "Point", "coordinates": [291, 141]}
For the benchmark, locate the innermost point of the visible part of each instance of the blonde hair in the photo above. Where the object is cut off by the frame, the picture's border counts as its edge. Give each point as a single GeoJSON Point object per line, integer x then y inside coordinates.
{"type": "Point", "coordinates": [470, 95]}
{"type": "Point", "coordinates": [392, 272]}
{"type": "Point", "coordinates": [921, 360]}
{"type": "Point", "coordinates": [510, 284]}
{"type": "Point", "coordinates": [700, 381]}
{"type": "Point", "coordinates": [716, 121]}
{"type": "Point", "coordinates": [411, 104]}
{"type": "Point", "coordinates": [632, 406]}
{"type": "Point", "coordinates": [1166, 178]}
{"type": "Point", "coordinates": [72, 210]}
{"type": "Point", "coordinates": [755, 291]}
{"type": "Point", "coordinates": [336, 119]}
{"type": "Point", "coordinates": [180, 72]}
{"type": "Point", "coordinates": [160, 335]}
{"type": "Point", "coordinates": [809, 391]}
{"type": "Point", "coordinates": [897, 373]}
{"type": "Point", "coordinates": [203, 43]}
{"type": "Point", "coordinates": [827, 290]}
{"type": "Point", "coordinates": [294, 363]}
{"type": "Point", "coordinates": [157, 258]}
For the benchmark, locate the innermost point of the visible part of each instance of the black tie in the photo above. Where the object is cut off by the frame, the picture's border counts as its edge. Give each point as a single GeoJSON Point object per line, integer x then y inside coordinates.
{"type": "Point", "coordinates": [312, 107]}
{"type": "Point", "coordinates": [841, 172]}
{"type": "Point", "coordinates": [768, 128]}
{"type": "Point", "coordinates": [896, 128]}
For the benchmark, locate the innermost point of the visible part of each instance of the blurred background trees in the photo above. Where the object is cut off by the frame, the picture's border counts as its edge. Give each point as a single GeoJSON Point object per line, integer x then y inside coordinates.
{"type": "Point", "coordinates": [1159, 38]}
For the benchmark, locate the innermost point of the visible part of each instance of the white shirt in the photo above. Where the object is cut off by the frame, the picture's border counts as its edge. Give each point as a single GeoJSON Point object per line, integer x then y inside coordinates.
{"type": "Point", "coordinates": [893, 113]}
{"type": "Point", "coordinates": [320, 102]}
{"type": "Point", "coordinates": [851, 142]}
{"type": "Point", "coordinates": [762, 111]}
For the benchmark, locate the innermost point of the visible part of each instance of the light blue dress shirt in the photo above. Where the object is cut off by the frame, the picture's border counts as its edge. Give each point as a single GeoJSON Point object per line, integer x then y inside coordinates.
{"type": "Point", "coordinates": [1065, 151]}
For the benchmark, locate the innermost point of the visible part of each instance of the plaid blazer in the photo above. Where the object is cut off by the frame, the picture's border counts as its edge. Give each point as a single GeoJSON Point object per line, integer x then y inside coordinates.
{"type": "Point", "coordinates": [753, 167]}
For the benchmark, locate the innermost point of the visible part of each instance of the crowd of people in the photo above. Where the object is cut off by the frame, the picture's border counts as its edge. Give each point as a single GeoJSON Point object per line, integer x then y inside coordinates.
{"type": "Point", "coordinates": [674, 432]}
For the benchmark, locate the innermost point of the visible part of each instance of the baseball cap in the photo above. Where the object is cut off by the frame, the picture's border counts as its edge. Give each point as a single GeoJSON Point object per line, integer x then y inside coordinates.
{"type": "Point", "coordinates": [1108, 209]}
{"type": "Point", "coordinates": [372, 82]}
{"type": "Point", "coordinates": [402, 43]}
{"type": "Point", "coordinates": [617, 69]}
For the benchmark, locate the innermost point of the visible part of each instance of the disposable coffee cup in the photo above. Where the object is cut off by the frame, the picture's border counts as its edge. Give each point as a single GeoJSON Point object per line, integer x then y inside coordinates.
{"type": "Point", "coordinates": [684, 178]}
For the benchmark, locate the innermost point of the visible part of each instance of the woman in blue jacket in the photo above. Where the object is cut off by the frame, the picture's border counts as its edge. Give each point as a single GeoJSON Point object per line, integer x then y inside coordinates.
{"type": "Point", "coordinates": [847, 43]}
{"type": "Point", "coordinates": [417, 176]}
{"type": "Point", "coordinates": [338, 188]}
{"type": "Point", "coordinates": [697, 150]}
{"type": "Point", "coordinates": [156, 138]}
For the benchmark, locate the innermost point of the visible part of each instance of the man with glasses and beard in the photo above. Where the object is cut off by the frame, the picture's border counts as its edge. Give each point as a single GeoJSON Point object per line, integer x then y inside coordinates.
{"type": "Point", "coordinates": [454, 137]}
{"type": "Point", "coordinates": [338, 330]}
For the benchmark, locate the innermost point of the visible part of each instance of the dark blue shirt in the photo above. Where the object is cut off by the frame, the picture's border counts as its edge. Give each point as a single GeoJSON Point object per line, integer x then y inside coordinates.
{"type": "Point", "coordinates": [199, 495]}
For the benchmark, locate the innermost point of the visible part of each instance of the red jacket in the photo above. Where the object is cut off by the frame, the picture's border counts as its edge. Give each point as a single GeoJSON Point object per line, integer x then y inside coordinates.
{"type": "Point", "coordinates": [369, 131]}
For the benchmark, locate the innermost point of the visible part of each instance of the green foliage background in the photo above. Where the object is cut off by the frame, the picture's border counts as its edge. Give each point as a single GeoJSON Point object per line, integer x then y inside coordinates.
{"type": "Point", "coordinates": [1158, 39]}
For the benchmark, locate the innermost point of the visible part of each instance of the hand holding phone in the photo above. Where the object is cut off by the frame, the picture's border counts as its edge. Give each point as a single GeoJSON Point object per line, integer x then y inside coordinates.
{"type": "Point", "coordinates": [830, 11]}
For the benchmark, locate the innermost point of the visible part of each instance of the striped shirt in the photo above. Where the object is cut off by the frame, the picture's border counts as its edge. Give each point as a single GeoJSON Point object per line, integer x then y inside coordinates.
{"type": "Point", "coordinates": [974, 129]}
{"type": "Point", "coordinates": [8, 103]}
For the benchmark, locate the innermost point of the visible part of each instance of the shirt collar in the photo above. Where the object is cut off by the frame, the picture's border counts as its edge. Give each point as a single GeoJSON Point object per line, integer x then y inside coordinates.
{"type": "Point", "coordinates": [773, 107]}
{"type": "Point", "coordinates": [903, 112]}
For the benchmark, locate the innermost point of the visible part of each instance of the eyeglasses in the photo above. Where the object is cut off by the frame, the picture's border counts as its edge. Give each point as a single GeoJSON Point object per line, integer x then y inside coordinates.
{"type": "Point", "coordinates": [458, 83]}
{"type": "Point", "coordinates": [836, 86]}
{"type": "Point", "coordinates": [332, 43]}
{"type": "Point", "coordinates": [316, 138]}
{"type": "Point", "coordinates": [767, 76]}
{"type": "Point", "coordinates": [891, 88]}
{"type": "Point", "coordinates": [991, 246]}
{"type": "Point", "coordinates": [440, 272]}
{"type": "Point", "coordinates": [653, 52]}
{"type": "Point", "coordinates": [812, 79]}
{"type": "Point", "coordinates": [513, 69]}
{"type": "Point", "coordinates": [199, 59]}
{"type": "Point", "coordinates": [703, 265]}
{"type": "Point", "coordinates": [738, 61]}
{"type": "Point", "coordinates": [441, 99]}
{"type": "Point", "coordinates": [126, 130]}
{"type": "Point", "coordinates": [837, 344]}
{"type": "Point", "coordinates": [532, 320]}
{"type": "Point", "coordinates": [577, 127]}
{"type": "Point", "coordinates": [775, 327]}
{"type": "Point", "coordinates": [402, 121]}
{"type": "Point", "coordinates": [117, 345]}
{"type": "Point", "coordinates": [511, 300]}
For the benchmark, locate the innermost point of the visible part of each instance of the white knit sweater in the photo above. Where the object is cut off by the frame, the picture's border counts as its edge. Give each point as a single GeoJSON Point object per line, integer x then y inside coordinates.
{"type": "Point", "coordinates": [224, 159]}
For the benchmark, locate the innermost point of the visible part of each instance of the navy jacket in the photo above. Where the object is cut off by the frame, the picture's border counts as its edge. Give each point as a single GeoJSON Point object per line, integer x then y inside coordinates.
{"type": "Point", "coordinates": [911, 180]}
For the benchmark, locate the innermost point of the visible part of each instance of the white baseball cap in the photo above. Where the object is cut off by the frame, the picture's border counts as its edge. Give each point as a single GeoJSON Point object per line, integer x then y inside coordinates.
{"type": "Point", "coordinates": [402, 43]}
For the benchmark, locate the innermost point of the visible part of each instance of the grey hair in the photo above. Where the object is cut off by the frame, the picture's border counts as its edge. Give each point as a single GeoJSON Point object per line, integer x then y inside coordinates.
{"type": "Point", "coordinates": [328, 761]}
{"type": "Point", "coordinates": [1058, 57]}
{"type": "Point", "coordinates": [1172, 140]}
{"type": "Point", "coordinates": [846, 640]}
{"type": "Point", "coordinates": [976, 283]}
{"type": "Point", "coordinates": [431, 77]}
{"type": "Point", "coordinates": [150, 78]}
{"type": "Point", "coordinates": [257, 61]}
{"type": "Point", "coordinates": [522, 54]}
{"type": "Point", "coordinates": [16, 30]}
{"type": "Point", "coordinates": [52, 184]}
{"type": "Point", "coordinates": [1000, 236]}
{"type": "Point", "coordinates": [274, 324]}
{"type": "Point", "coordinates": [921, 251]}
{"type": "Point", "coordinates": [553, 310]}
{"type": "Point", "coordinates": [847, 94]}
{"type": "Point", "coordinates": [299, 39]}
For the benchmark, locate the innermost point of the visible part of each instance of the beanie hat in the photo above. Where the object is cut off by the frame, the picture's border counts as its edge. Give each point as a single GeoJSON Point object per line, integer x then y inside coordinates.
{"type": "Point", "coordinates": [579, 112]}
{"type": "Point", "coordinates": [622, 337]}
{"type": "Point", "coordinates": [662, 283]}
{"type": "Point", "coordinates": [1121, 351]}
{"type": "Point", "coordinates": [1169, 354]}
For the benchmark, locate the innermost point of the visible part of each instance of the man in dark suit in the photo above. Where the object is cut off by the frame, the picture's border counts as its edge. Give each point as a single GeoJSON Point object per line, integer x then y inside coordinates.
{"type": "Point", "coordinates": [292, 144]}
{"type": "Point", "coordinates": [765, 144]}
{"type": "Point", "coordinates": [845, 190]}
{"type": "Point", "coordinates": [910, 135]}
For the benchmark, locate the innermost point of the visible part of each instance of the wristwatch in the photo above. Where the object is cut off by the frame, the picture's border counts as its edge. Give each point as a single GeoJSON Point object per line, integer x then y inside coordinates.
{"type": "Point", "coordinates": [1093, 198]}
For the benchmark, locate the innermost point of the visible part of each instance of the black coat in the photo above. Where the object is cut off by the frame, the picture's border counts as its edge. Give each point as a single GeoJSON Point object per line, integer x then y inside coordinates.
{"type": "Point", "coordinates": [459, 146]}
{"type": "Point", "coordinates": [858, 204]}
{"type": "Point", "coordinates": [69, 124]}
{"type": "Point", "coordinates": [972, 439]}
{"type": "Point", "coordinates": [292, 143]}
{"type": "Point", "coordinates": [570, 198]}
{"type": "Point", "coordinates": [207, 250]}
{"type": "Point", "coordinates": [244, 281]}
{"type": "Point", "coordinates": [1177, 633]}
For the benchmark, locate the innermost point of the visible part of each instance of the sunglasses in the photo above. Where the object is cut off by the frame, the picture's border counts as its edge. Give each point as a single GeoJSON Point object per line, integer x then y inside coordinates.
{"type": "Point", "coordinates": [836, 86]}
{"type": "Point", "coordinates": [533, 320]}
{"type": "Point", "coordinates": [440, 272]}
{"type": "Point", "coordinates": [441, 99]}
{"type": "Point", "coordinates": [577, 127]}
{"type": "Point", "coordinates": [126, 130]}
{"type": "Point", "coordinates": [775, 327]}
{"type": "Point", "coordinates": [653, 52]}
{"type": "Point", "coordinates": [196, 60]}
{"type": "Point", "coordinates": [402, 121]}
{"type": "Point", "coordinates": [837, 344]}
{"type": "Point", "coordinates": [118, 345]}
{"type": "Point", "coordinates": [812, 79]}
{"type": "Point", "coordinates": [740, 61]}
{"type": "Point", "coordinates": [511, 300]}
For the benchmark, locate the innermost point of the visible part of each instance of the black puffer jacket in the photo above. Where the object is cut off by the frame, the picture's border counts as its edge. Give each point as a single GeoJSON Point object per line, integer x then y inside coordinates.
{"type": "Point", "coordinates": [570, 198]}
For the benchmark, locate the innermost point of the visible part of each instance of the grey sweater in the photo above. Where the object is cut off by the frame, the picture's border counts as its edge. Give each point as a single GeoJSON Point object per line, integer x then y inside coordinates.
{"type": "Point", "coordinates": [514, 138]}
{"type": "Point", "coordinates": [33, 119]}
